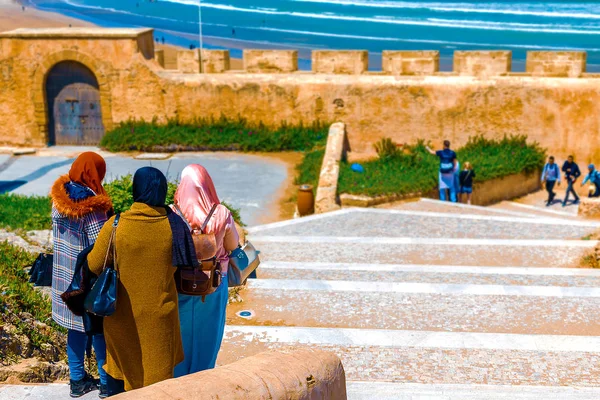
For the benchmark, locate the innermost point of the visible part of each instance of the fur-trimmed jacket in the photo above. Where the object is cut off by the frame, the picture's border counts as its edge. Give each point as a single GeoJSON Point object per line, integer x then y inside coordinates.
{"type": "Point", "coordinates": [78, 214]}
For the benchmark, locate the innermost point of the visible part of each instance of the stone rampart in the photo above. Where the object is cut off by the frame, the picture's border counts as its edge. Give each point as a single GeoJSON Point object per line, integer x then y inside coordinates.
{"type": "Point", "coordinates": [300, 375]}
{"type": "Point", "coordinates": [407, 101]}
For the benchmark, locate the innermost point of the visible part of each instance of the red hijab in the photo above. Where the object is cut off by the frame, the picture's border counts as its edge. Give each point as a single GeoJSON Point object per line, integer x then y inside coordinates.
{"type": "Point", "coordinates": [89, 170]}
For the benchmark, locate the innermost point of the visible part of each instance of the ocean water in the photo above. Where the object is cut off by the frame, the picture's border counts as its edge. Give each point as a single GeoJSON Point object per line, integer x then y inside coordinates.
{"type": "Point", "coordinates": [373, 25]}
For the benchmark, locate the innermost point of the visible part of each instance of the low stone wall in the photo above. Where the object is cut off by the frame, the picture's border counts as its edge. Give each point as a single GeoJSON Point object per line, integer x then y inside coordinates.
{"type": "Point", "coordinates": [484, 193]}
{"type": "Point", "coordinates": [301, 375]}
{"type": "Point", "coordinates": [326, 198]}
{"type": "Point", "coordinates": [589, 208]}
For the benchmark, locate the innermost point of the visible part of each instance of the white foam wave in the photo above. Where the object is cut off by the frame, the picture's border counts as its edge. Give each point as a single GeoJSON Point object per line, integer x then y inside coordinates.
{"type": "Point", "coordinates": [590, 10]}
{"type": "Point", "coordinates": [114, 10]}
{"type": "Point", "coordinates": [395, 21]}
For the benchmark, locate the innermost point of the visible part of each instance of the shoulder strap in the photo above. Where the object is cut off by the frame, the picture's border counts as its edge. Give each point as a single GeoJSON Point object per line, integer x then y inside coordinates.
{"type": "Point", "coordinates": [212, 211]}
{"type": "Point", "coordinates": [182, 216]}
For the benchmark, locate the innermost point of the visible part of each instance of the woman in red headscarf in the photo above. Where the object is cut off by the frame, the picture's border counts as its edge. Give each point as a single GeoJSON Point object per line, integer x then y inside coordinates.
{"type": "Point", "coordinates": [203, 323]}
{"type": "Point", "coordinates": [80, 207]}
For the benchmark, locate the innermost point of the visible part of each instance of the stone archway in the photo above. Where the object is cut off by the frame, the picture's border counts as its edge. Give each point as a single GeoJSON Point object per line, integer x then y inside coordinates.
{"type": "Point", "coordinates": [40, 101]}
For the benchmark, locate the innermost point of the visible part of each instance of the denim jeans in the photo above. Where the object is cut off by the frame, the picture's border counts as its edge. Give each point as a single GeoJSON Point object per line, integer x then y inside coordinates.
{"type": "Point", "coordinates": [550, 190]}
{"type": "Point", "coordinates": [452, 195]}
{"type": "Point", "coordinates": [76, 345]}
{"type": "Point", "coordinates": [570, 190]}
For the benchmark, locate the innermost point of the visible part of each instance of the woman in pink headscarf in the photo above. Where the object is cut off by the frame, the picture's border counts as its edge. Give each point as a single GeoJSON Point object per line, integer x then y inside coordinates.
{"type": "Point", "coordinates": [203, 324]}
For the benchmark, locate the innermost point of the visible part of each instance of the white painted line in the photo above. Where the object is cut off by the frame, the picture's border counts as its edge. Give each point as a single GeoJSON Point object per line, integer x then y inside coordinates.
{"type": "Point", "coordinates": [490, 209]}
{"type": "Point", "coordinates": [360, 390]}
{"type": "Point", "coordinates": [297, 221]}
{"type": "Point", "coordinates": [423, 268]}
{"type": "Point", "coordinates": [544, 210]}
{"type": "Point", "coordinates": [415, 339]}
{"type": "Point", "coordinates": [425, 241]}
{"type": "Point", "coordinates": [423, 288]}
{"type": "Point", "coordinates": [476, 217]}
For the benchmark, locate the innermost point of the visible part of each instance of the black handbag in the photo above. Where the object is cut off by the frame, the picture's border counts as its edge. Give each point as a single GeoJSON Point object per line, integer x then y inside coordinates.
{"type": "Point", "coordinates": [41, 270]}
{"type": "Point", "coordinates": [102, 298]}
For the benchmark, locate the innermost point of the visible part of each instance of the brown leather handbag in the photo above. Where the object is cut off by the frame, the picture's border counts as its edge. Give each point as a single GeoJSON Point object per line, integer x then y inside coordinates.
{"type": "Point", "coordinates": [206, 278]}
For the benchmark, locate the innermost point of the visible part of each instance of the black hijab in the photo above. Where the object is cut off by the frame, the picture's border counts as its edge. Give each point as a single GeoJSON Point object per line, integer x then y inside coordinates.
{"type": "Point", "coordinates": [150, 187]}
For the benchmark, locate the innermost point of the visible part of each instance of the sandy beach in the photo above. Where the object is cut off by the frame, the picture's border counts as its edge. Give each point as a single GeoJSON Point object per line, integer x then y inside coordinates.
{"type": "Point", "coordinates": [14, 15]}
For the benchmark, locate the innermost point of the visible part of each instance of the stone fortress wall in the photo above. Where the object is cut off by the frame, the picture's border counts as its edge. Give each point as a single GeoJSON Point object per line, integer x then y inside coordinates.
{"type": "Point", "coordinates": [554, 102]}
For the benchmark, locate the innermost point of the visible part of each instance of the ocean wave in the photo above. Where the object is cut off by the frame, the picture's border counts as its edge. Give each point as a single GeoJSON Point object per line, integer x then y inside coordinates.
{"type": "Point", "coordinates": [114, 10]}
{"type": "Point", "coordinates": [591, 11]}
{"type": "Point", "coordinates": [390, 20]}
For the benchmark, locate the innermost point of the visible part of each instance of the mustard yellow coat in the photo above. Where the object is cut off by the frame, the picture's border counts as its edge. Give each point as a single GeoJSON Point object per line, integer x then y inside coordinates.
{"type": "Point", "coordinates": [143, 338]}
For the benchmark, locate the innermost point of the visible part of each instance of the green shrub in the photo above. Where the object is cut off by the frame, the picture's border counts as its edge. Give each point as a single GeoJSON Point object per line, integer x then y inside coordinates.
{"type": "Point", "coordinates": [25, 212]}
{"type": "Point", "coordinates": [213, 134]}
{"type": "Point", "coordinates": [386, 149]}
{"type": "Point", "coordinates": [33, 213]}
{"type": "Point", "coordinates": [418, 171]}
{"type": "Point", "coordinates": [309, 169]}
{"type": "Point", "coordinates": [17, 297]}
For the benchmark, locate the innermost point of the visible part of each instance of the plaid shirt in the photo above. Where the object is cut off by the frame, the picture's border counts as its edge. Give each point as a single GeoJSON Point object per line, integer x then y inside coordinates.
{"type": "Point", "coordinates": [71, 236]}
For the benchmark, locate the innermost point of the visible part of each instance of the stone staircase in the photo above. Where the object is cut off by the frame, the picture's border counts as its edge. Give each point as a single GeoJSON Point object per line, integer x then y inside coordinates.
{"type": "Point", "coordinates": [430, 300]}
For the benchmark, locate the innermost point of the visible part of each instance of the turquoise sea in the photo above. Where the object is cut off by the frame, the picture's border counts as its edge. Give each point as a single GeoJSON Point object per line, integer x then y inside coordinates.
{"type": "Point", "coordinates": [374, 25]}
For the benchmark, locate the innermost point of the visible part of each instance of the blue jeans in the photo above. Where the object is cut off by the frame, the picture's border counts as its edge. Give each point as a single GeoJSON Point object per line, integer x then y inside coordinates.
{"type": "Point", "coordinates": [452, 194]}
{"type": "Point", "coordinates": [76, 345]}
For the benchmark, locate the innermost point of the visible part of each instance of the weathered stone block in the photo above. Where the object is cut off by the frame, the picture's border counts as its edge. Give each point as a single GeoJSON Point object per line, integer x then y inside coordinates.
{"type": "Point", "coordinates": [326, 199]}
{"type": "Point", "coordinates": [188, 61]}
{"type": "Point", "coordinates": [159, 56]}
{"type": "Point", "coordinates": [556, 63]}
{"type": "Point", "coordinates": [340, 61]}
{"type": "Point", "coordinates": [589, 207]}
{"type": "Point", "coordinates": [215, 61]}
{"type": "Point", "coordinates": [270, 61]}
{"type": "Point", "coordinates": [299, 375]}
{"type": "Point", "coordinates": [411, 62]}
{"type": "Point", "coordinates": [482, 63]}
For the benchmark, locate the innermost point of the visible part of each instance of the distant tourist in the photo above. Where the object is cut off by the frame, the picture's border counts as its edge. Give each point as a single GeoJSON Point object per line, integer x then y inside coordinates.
{"type": "Point", "coordinates": [203, 322]}
{"type": "Point", "coordinates": [550, 177]}
{"type": "Point", "coordinates": [466, 181]}
{"type": "Point", "coordinates": [232, 32]}
{"type": "Point", "coordinates": [572, 172]}
{"type": "Point", "coordinates": [448, 163]}
{"type": "Point", "coordinates": [594, 178]}
{"type": "Point", "coordinates": [162, 39]}
{"type": "Point", "coordinates": [80, 207]}
{"type": "Point", "coordinates": [143, 336]}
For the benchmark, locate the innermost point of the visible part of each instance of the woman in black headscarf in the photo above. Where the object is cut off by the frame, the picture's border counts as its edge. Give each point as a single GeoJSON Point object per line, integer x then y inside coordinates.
{"type": "Point", "coordinates": [143, 339]}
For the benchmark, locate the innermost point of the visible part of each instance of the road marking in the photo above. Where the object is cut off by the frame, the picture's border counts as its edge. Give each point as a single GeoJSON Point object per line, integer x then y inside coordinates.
{"type": "Point", "coordinates": [544, 210]}
{"type": "Point", "coordinates": [418, 339]}
{"type": "Point", "coordinates": [423, 288]}
{"type": "Point", "coordinates": [425, 241]}
{"type": "Point", "coordinates": [422, 268]}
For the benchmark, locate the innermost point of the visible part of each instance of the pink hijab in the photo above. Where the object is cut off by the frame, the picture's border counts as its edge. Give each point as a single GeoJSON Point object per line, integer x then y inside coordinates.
{"type": "Point", "coordinates": [195, 197]}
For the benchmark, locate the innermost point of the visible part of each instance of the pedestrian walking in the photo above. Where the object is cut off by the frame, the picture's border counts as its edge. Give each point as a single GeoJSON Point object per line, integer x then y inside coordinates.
{"type": "Point", "coordinates": [203, 320]}
{"type": "Point", "coordinates": [593, 177]}
{"type": "Point", "coordinates": [466, 181]}
{"type": "Point", "coordinates": [572, 172]}
{"type": "Point", "coordinates": [447, 178]}
{"type": "Point", "coordinates": [80, 207]}
{"type": "Point", "coordinates": [143, 336]}
{"type": "Point", "coordinates": [550, 178]}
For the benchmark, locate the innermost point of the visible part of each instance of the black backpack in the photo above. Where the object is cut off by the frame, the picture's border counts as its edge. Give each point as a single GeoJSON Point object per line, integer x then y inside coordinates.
{"type": "Point", "coordinates": [41, 270]}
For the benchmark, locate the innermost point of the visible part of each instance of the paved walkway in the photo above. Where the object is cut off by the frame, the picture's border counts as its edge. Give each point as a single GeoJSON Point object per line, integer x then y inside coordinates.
{"type": "Point", "coordinates": [426, 301]}
{"type": "Point", "coordinates": [248, 182]}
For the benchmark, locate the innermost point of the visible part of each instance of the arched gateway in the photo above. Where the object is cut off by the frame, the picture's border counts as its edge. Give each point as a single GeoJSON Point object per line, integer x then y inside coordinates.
{"type": "Point", "coordinates": [73, 104]}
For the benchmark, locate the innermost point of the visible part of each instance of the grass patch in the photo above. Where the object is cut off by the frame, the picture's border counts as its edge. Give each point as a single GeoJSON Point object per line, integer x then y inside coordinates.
{"type": "Point", "coordinates": [213, 134]}
{"type": "Point", "coordinates": [18, 212]}
{"type": "Point", "coordinates": [415, 170]}
{"type": "Point", "coordinates": [21, 305]}
{"type": "Point", "coordinates": [309, 169]}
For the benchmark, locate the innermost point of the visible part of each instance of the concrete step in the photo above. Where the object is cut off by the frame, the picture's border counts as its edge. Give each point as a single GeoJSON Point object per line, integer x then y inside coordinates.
{"type": "Point", "coordinates": [420, 306]}
{"type": "Point", "coordinates": [410, 391]}
{"type": "Point", "coordinates": [434, 357]}
{"type": "Point", "coordinates": [395, 250]}
{"type": "Point", "coordinates": [539, 210]}
{"type": "Point", "coordinates": [444, 274]}
{"type": "Point", "coordinates": [375, 223]}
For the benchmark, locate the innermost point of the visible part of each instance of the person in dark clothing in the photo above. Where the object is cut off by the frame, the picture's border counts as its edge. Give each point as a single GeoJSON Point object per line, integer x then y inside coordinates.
{"type": "Point", "coordinates": [594, 178]}
{"type": "Point", "coordinates": [572, 172]}
{"type": "Point", "coordinates": [465, 180]}
{"type": "Point", "coordinates": [550, 176]}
